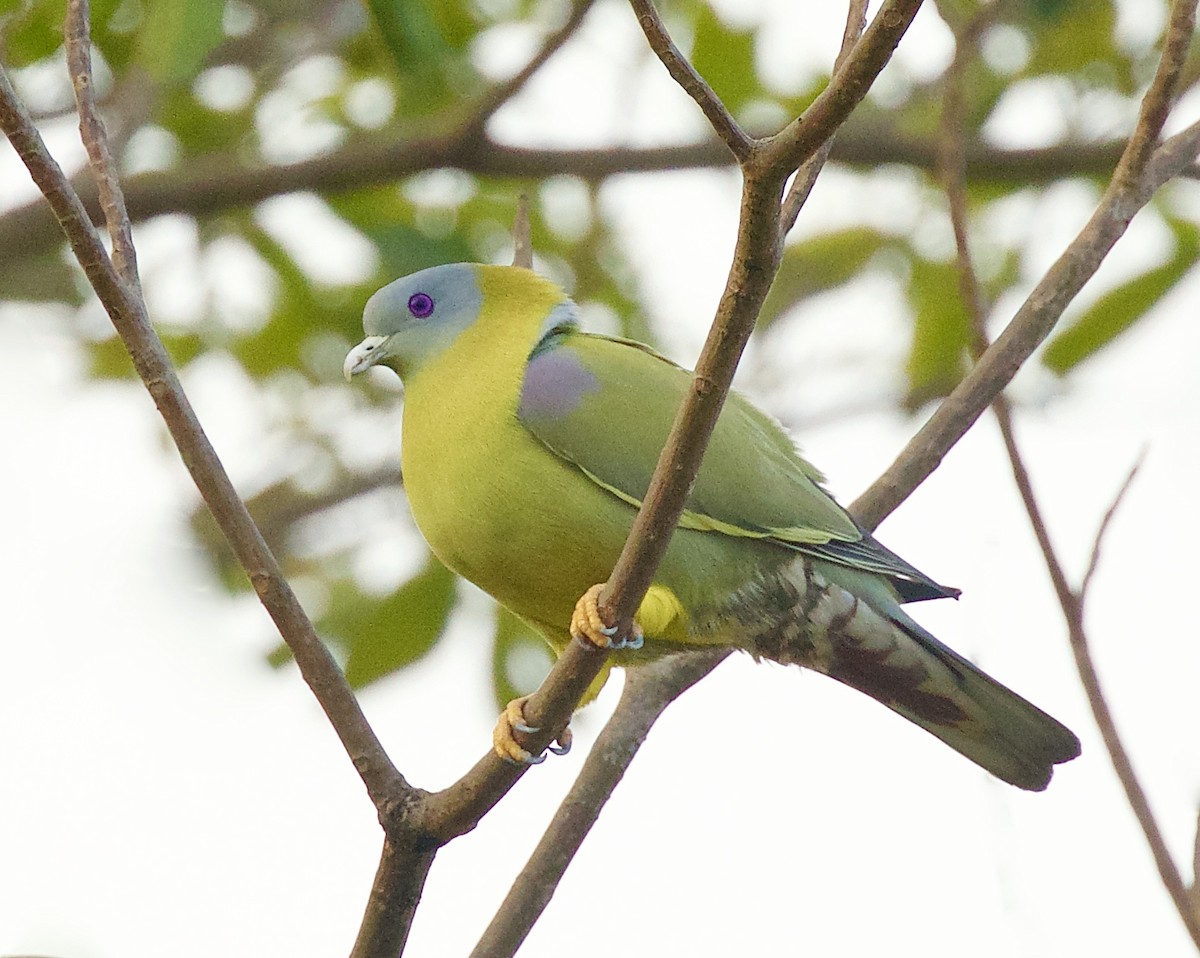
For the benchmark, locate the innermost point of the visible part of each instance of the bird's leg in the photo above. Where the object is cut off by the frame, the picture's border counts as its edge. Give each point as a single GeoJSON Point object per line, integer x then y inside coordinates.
{"type": "Point", "coordinates": [512, 719]}
{"type": "Point", "coordinates": [587, 625]}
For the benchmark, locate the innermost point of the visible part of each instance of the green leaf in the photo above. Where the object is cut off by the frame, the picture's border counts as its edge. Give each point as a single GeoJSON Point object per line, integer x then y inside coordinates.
{"type": "Point", "coordinates": [427, 42]}
{"type": "Point", "coordinates": [30, 31]}
{"type": "Point", "coordinates": [388, 635]}
{"type": "Point", "coordinates": [817, 265]}
{"type": "Point", "coordinates": [1070, 35]}
{"type": "Point", "coordinates": [725, 58]}
{"type": "Point", "coordinates": [511, 638]}
{"type": "Point", "coordinates": [110, 359]}
{"type": "Point", "coordinates": [278, 345]}
{"type": "Point", "coordinates": [1120, 308]}
{"type": "Point", "coordinates": [39, 279]}
{"type": "Point", "coordinates": [937, 358]}
{"type": "Point", "coordinates": [177, 35]}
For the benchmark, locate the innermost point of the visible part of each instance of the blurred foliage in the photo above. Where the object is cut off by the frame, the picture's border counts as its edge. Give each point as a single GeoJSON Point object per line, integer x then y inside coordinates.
{"type": "Point", "coordinates": [1118, 309]}
{"type": "Point", "coordinates": [264, 83]}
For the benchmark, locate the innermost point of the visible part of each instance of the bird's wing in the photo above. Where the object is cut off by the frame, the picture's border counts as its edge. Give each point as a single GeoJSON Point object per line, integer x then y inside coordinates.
{"type": "Point", "coordinates": [607, 405]}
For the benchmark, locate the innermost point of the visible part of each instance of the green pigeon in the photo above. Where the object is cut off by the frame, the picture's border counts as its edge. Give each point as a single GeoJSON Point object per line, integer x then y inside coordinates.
{"type": "Point", "coordinates": [527, 446]}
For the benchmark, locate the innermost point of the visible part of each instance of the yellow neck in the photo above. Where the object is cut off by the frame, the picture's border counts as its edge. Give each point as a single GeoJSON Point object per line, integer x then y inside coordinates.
{"type": "Point", "coordinates": [460, 418]}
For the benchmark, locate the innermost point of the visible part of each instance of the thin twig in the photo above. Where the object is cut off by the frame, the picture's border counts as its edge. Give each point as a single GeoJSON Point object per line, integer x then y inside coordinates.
{"type": "Point", "coordinates": [1094, 559]}
{"type": "Point", "coordinates": [1072, 606]}
{"type": "Point", "coordinates": [810, 169]}
{"type": "Point", "coordinates": [682, 72]}
{"type": "Point", "coordinates": [77, 32]}
{"type": "Point", "coordinates": [1156, 104]}
{"type": "Point", "coordinates": [1032, 323]}
{"type": "Point", "coordinates": [522, 234]}
{"type": "Point", "coordinates": [1071, 602]}
{"type": "Point", "coordinates": [499, 94]}
{"type": "Point", "coordinates": [1194, 891]}
{"type": "Point", "coordinates": [849, 84]}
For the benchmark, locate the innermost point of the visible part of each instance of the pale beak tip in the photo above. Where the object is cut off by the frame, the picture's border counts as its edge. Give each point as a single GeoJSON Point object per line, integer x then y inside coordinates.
{"type": "Point", "coordinates": [363, 356]}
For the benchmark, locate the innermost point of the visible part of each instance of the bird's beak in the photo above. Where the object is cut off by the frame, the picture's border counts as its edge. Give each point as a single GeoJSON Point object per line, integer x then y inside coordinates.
{"type": "Point", "coordinates": [365, 355]}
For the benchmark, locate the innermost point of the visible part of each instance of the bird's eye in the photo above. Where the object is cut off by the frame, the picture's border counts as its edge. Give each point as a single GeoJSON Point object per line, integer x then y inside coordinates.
{"type": "Point", "coordinates": [420, 305]}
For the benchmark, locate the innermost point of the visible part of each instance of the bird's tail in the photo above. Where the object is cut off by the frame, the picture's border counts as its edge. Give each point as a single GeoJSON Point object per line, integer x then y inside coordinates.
{"type": "Point", "coordinates": [895, 661]}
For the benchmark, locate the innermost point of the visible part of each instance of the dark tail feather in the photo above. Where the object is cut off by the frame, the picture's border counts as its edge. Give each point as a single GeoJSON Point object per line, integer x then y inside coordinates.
{"type": "Point", "coordinates": [928, 683]}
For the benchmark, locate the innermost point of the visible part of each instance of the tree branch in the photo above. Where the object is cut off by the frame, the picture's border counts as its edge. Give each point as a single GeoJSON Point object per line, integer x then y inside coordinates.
{"type": "Point", "coordinates": [692, 83]}
{"type": "Point", "coordinates": [395, 894]}
{"type": "Point", "coordinates": [501, 93]}
{"type": "Point", "coordinates": [847, 87]}
{"type": "Point", "coordinates": [1032, 323]}
{"type": "Point", "coordinates": [1156, 104]}
{"type": "Point", "coordinates": [127, 311]}
{"type": "Point", "coordinates": [1071, 602]}
{"type": "Point", "coordinates": [206, 186]}
{"type": "Point", "coordinates": [649, 689]}
{"type": "Point", "coordinates": [522, 235]}
{"type": "Point", "coordinates": [806, 176]}
{"type": "Point", "coordinates": [77, 31]}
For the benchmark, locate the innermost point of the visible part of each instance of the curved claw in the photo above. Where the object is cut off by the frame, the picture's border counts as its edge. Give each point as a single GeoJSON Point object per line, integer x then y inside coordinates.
{"type": "Point", "coordinates": [587, 625]}
{"type": "Point", "coordinates": [511, 720]}
{"type": "Point", "coordinates": [531, 760]}
{"type": "Point", "coordinates": [564, 742]}
{"type": "Point", "coordinates": [633, 642]}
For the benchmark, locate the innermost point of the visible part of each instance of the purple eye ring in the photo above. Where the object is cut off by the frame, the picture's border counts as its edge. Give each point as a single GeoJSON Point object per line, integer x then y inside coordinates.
{"type": "Point", "coordinates": [420, 305]}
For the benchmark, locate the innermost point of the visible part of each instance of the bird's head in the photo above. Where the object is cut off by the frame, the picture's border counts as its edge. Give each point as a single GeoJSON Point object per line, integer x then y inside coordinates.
{"type": "Point", "coordinates": [416, 318]}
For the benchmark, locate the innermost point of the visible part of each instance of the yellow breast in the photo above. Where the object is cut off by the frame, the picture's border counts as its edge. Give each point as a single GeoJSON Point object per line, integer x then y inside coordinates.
{"type": "Point", "coordinates": [492, 502]}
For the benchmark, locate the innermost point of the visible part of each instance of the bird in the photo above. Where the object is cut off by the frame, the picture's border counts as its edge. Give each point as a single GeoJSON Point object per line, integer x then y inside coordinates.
{"type": "Point", "coordinates": [527, 446]}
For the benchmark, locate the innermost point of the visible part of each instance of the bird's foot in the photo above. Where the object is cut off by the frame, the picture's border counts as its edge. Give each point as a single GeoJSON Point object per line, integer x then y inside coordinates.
{"type": "Point", "coordinates": [587, 625]}
{"type": "Point", "coordinates": [511, 720]}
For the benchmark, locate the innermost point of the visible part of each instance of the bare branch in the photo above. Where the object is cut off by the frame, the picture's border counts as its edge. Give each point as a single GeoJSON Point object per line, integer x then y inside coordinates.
{"type": "Point", "coordinates": [205, 186]}
{"type": "Point", "coordinates": [1071, 602]}
{"type": "Point", "coordinates": [77, 32]}
{"type": "Point", "coordinates": [683, 73]}
{"type": "Point", "coordinates": [1195, 889]}
{"type": "Point", "coordinates": [847, 87]}
{"type": "Point", "coordinates": [810, 169]}
{"type": "Point", "coordinates": [1073, 611]}
{"type": "Point", "coordinates": [1094, 558]}
{"type": "Point", "coordinates": [491, 101]}
{"type": "Point", "coordinates": [1156, 104]}
{"type": "Point", "coordinates": [1034, 320]}
{"type": "Point", "coordinates": [393, 901]}
{"type": "Point", "coordinates": [522, 240]}
{"type": "Point", "coordinates": [150, 359]}
{"type": "Point", "coordinates": [649, 689]}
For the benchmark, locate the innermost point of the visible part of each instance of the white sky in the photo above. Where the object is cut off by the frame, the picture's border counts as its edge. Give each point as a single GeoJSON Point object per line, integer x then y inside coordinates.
{"type": "Point", "coordinates": [162, 789]}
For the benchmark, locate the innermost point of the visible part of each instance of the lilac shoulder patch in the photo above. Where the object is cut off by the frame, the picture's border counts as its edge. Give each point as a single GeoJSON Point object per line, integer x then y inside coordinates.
{"type": "Point", "coordinates": [555, 384]}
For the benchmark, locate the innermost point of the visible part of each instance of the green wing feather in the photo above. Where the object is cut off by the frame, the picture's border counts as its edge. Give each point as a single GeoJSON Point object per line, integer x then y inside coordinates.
{"type": "Point", "coordinates": [753, 482]}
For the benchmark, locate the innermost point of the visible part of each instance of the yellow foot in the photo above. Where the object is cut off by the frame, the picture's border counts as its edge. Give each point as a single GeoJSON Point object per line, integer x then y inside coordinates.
{"type": "Point", "coordinates": [512, 719]}
{"type": "Point", "coordinates": [588, 627]}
